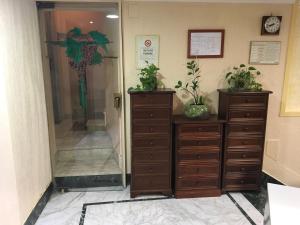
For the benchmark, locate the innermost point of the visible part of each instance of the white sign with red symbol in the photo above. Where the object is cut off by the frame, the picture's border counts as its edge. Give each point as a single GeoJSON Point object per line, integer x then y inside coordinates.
{"type": "Point", "coordinates": [147, 50]}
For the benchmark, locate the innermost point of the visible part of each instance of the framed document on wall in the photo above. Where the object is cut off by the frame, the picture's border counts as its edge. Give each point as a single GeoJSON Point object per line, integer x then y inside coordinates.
{"type": "Point", "coordinates": [205, 43]}
{"type": "Point", "coordinates": [265, 52]}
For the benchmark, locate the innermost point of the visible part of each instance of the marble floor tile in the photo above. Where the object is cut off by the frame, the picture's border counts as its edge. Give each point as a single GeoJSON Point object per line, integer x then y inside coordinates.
{"type": "Point", "coordinates": [83, 140]}
{"type": "Point", "coordinates": [66, 208]}
{"type": "Point", "coordinates": [84, 163]}
{"type": "Point", "coordinates": [251, 211]}
{"type": "Point", "coordinates": [193, 211]}
{"type": "Point", "coordinates": [84, 153]}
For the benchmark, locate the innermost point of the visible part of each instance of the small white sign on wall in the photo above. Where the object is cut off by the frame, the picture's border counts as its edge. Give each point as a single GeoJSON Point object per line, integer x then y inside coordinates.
{"type": "Point", "coordinates": [147, 49]}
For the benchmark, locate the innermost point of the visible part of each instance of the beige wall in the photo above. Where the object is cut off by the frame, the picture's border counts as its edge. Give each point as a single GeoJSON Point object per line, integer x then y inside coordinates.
{"type": "Point", "coordinates": [25, 149]}
{"type": "Point", "coordinates": [242, 23]}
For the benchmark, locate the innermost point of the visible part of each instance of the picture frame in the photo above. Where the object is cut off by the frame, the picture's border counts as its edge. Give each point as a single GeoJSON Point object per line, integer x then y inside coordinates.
{"type": "Point", "coordinates": [205, 43]}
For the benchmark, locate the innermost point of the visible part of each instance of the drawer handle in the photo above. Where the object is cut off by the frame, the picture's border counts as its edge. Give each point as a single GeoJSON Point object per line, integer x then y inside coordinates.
{"type": "Point", "coordinates": [150, 143]}
{"type": "Point", "coordinates": [244, 155]}
{"type": "Point", "coordinates": [151, 115]}
{"type": "Point", "coordinates": [247, 115]}
{"type": "Point", "coordinates": [243, 169]}
{"type": "Point", "coordinates": [242, 181]}
{"type": "Point", "coordinates": [199, 156]}
{"type": "Point", "coordinates": [246, 128]}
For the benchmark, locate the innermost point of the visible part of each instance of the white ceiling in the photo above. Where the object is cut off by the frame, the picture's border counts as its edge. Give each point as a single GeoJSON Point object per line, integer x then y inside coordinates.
{"type": "Point", "coordinates": [223, 1]}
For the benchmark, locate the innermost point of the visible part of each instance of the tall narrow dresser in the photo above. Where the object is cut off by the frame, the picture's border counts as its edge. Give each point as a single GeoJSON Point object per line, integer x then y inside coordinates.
{"type": "Point", "coordinates": [244, 137]}
{"type": "Point", "coordinates": [151, 142]}
{"type": "Point", "coordinates": [197, 162]}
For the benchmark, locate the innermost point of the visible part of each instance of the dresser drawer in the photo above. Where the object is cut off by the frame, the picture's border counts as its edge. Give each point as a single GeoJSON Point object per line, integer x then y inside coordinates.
{"type": "Point", "coordinates": [150, 141]}
{"type": "Point", "coordinates": [199, 129]}
{"type": "Point", "coordinates": [198, 155]}
{"type": "Point", "coordinates": [247, 115]}
{"type": "Point", "coordinates": [151, 128]}
{"type": "Point", "coordinates": [189, 142]}
{"type": "Point", "coordinates": [150, 156]}
{"type": "Point", "coordinates": [244, 154]}
{"type": "Point", "coordinates": [150, 100]}
{"type": "Point", "coordinates": [198, 169]}
{"type": "Point", "coordinates": [240, 167]}
{"type": "Point", "coordinates": [245, 142]}
{"type": "Point", "coordinates": [241, 181]}
{"type": "Point", "coordinates": [151, 114]}
{"type": "Point", "coordinates": [246, 129]}
{"type": "Point", "coordinates": [145, 182]}
{"type": "Point", "coordinates": [152, 168]}
{"type": "Point", "coordinates": [197, 182]}
{"type": "Point", "coordinates": [248, 101]}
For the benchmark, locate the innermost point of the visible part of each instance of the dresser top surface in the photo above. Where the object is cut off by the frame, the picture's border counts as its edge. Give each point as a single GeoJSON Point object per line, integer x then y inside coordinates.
{"type": "Point", "coordinates": [232, 92]}
{"type": "Point", "coordinates": [157, 91]}
{"type": "Point", "coordinates": [181, 119]}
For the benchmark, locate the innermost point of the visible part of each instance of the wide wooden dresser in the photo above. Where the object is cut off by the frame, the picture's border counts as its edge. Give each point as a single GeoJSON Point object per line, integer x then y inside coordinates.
{"type": "Point", "coordinates": [197, 163]}
{"type": "Point", "coordinates": [151, 142]}
{"type": "Point", "coordinates": [244, 137]}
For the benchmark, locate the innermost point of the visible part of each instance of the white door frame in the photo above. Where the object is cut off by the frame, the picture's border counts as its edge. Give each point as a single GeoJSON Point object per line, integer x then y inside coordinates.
{"type": "Point", "coordinates": [120, 72]}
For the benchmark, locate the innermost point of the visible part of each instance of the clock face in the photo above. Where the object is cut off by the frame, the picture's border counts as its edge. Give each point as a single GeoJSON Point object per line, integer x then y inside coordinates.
{"type": "Point", "coordinates": [272, 24]}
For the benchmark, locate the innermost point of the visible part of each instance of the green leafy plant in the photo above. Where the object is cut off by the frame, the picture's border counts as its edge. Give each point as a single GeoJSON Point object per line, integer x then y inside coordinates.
{"type": "Point", "coordinates": [192, 86]}
{"type": "Point", "coordinates": [243, 78]}
{"type": "Point", "coordinates": [147, 78]}
{"type": "Point", "coordinates": [83, 50]}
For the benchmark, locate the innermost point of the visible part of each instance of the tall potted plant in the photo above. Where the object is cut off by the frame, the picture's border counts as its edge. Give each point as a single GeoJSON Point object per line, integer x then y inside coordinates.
{"type": "Point", "coordinates": [83, 50]}
{"type": "Point", "coordinates": [196, 108]}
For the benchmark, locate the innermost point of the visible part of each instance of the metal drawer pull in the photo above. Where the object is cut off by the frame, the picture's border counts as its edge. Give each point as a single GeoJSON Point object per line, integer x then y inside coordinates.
{"type": "Point", "coordinates": [150, 143]}
{"type": "Point", "coordinates": [244, 155]}
{"type": "Point", "coordinates": [151, 115]}
{"type": "Point", "coordinates": [199, 156]}
{"type": "Point", "coordinates": [247, 115]}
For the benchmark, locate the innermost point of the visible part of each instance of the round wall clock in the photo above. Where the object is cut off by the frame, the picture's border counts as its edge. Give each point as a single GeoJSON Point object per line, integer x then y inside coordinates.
{"type": "Point", "coordinates": [271, 25]}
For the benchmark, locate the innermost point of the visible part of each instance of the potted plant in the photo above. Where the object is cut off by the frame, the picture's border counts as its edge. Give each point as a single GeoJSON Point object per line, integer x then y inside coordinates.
{"type": "Point", "coordinates": [148, 78]}
{"type": "Point", "coordinates": [196, 108]}
{"type": "Point", "coordinates": [242, 78]}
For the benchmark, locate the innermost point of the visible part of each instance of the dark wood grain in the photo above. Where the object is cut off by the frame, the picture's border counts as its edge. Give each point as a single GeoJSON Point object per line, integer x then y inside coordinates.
{"type": "Point", "coordinates": [197, 161]}
{"type": "Point", "coordinates": [151, 144]}
{"type": "Point", "coordinates": [244, 136]}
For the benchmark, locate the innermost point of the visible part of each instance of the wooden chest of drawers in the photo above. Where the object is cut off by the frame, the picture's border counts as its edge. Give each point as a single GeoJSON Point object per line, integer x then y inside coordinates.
{"type": "Point", "coordinates": [245, 113]}
{"type": "Point", "coordinates": [197, 163]}
{"type": "Point", "coordinates": [151, 142]}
